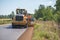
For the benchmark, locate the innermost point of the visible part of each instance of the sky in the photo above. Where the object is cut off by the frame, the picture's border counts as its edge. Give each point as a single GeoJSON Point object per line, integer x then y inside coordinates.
{"type": "Point", "coordinates": [7, 6]}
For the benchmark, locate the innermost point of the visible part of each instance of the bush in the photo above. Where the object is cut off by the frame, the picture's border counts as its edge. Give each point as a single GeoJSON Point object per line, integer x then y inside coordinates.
{"type": "Point", "coordinates": [41, 19]}
{"type": "Point", "coordinates": [45, 32]}
{"type": "Point", "coordinates": [3, 21]}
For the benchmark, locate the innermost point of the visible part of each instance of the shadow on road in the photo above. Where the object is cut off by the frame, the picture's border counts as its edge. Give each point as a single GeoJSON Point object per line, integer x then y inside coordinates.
{"type": "Point", "coordinates": [10, 27]}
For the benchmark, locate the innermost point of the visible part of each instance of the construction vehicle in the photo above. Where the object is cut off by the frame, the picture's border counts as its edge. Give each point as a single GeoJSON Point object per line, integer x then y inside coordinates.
{"type": "Point", "coordinates": [22, 18]}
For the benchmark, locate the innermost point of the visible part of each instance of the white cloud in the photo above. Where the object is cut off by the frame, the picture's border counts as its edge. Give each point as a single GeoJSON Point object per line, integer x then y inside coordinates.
{"type": "Point", "coordinates": [50, 2]}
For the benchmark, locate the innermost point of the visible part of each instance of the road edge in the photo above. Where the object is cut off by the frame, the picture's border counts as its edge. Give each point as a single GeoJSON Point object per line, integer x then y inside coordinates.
{"type": "Point", "coordinates": [27, 35]}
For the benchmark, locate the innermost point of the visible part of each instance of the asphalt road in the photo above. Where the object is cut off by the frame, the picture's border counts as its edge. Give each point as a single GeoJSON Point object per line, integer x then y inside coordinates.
{"type": "Point", "coordinates": [9, 33]}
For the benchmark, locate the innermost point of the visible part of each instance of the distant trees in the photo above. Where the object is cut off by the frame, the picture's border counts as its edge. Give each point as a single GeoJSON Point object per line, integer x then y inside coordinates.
{"type": "Point", "coordinates": [12, 14]}
{"type": "Point", "coordinates": [8, 16]}
{"type": "Point", "coordinates": [3, 16]}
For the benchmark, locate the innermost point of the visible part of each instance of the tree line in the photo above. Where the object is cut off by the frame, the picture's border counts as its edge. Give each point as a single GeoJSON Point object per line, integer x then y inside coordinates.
{"type": "Point", "coordinates": [8, 16]}
{"type": "Point", "coordinates": [48, 13]}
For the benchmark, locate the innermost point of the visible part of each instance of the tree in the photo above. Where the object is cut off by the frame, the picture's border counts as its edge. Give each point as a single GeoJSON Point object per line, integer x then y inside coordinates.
{"type": "Point", "coordinates": [57, 5]}
{"type": "Point", "coordinates": [12, 14]}
{"type": "Point", "coordinates": [39, 13]}
{"type": "Point", "coordinates": [57, 16]}
{"type": "Point", "coordinates": [58, 12]}
{"type": "Point", "coordinates": [36, 15]}
{"type": "Point", "coordinates": [46, 13]}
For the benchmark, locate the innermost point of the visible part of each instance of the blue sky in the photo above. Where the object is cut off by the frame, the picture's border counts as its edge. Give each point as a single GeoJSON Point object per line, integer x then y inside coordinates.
{"type": "Point", "coordinates": [6, 6]}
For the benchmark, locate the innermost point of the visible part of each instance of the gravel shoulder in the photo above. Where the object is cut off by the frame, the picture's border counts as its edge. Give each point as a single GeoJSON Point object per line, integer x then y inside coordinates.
{"type": "Point", "coordinates": [27, 35]}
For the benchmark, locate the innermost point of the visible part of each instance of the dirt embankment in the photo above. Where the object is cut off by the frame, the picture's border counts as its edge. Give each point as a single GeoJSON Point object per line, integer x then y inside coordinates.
{"type": "Point", "coordinates": [27, 35]}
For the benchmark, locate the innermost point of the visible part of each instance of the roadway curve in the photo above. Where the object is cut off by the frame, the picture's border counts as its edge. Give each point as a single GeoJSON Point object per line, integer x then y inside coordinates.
{"type": "Point", "coordinates": [8, 33]}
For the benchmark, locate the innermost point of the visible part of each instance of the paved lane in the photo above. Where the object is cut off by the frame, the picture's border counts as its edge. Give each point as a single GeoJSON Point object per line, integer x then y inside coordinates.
{"type": "Point", "coordinates": [8, 33]}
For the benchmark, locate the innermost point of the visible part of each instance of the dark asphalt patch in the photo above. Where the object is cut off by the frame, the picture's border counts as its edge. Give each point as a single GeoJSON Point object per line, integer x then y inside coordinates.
{"type": "Point", "coordinates": [18, 27]}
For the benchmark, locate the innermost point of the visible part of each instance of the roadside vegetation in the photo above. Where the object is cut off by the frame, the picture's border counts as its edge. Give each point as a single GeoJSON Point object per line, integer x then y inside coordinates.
{"type": "Point", "coordinates": [45, 30]}
{"type": "Point", "coordinates": [5, 21]}
{"type": "Point", "coordinates": [48, 26]}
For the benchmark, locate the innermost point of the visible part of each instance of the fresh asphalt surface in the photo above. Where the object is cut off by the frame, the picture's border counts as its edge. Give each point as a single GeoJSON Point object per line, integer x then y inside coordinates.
{"type": "Point", "coordinates": [9, 33]}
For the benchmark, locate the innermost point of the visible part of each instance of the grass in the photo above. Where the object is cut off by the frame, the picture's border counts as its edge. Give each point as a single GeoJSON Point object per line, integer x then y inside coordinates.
{"type": "Point", "coordinates": [45, 31]}
{"type": "Point", "coordinates": [5, 21]}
